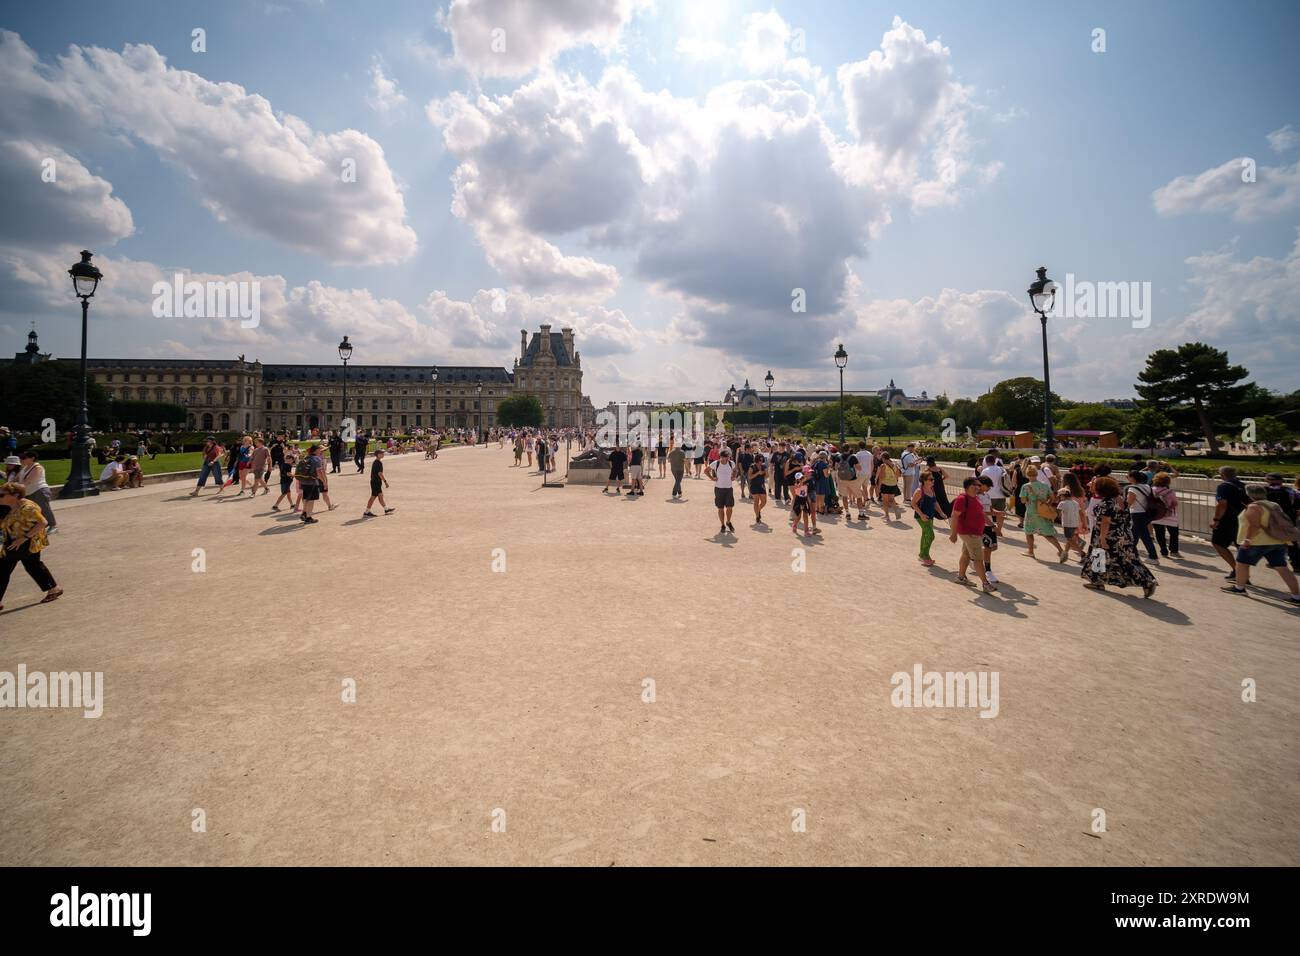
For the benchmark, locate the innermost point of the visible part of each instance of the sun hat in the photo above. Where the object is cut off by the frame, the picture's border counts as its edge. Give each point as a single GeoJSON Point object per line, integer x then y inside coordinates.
{"type": "Point", "coordinates": [13, 460]}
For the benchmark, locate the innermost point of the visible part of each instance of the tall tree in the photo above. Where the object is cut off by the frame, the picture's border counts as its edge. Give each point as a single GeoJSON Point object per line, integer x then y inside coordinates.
{"type": "Point", "coordinates": [1019, 403]}
{"type": "Point", "coordinates": [520, 411]}
{"type": "Point", "coordinates": [29, 394]}
{"type": "Point", "coordinates": [1196, 381]}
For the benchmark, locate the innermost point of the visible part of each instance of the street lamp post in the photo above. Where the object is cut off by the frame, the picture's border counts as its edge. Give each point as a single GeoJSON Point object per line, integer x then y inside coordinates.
{"type": "Point", "coordinates": [85, 279]}
{"type": "Point", "coordinates": [768, 382]}
{"type": "Point", "coordinates": [433, 377]}
{"type": "Point", "coordinates": [1042, 296]}
{"type": "Point", "coordinates": [478, 390]}
{"type": "Point", "coordinates": [841, 360]}
{"type": "Point", "coordinates": [345, 353]}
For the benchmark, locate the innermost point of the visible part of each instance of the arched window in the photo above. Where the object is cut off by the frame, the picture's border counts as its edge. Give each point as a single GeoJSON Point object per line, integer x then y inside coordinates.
{"type": "Point", "coordinates": [207, 422]}
{"type": "Point", "coordinates": [225, 422]}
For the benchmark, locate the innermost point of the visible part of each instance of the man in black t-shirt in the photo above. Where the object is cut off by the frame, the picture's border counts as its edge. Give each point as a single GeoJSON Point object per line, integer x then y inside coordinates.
{"type": "Point", "coordinates": [617, 459]}
{"type": "Point", "coordinates": [746, 458]}
{"type": "Point", "coordinates": [1229, 501]}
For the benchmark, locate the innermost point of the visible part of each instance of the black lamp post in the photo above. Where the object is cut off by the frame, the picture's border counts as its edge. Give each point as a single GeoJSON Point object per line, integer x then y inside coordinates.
{"type": "Point", "coordinates": [478, 390]}
{"type": "Point", "coordinates": [85, 279]}
{"type": "Point", "coordinates": [1042, 296]}
{"type": "Point", "coordinates": [768, 382]}
{"type": "Point", "coordinates": [841, 360]}
{"type": "Point", "coordinates": [433, 377]}
{"type": "Point", "coordinates": [345, 353]}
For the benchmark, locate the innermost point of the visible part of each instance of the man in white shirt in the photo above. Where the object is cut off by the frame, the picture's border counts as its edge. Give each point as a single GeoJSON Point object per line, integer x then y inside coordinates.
{"type": "Point", "coordinates": [114, 474]}
{"type": "Point", "coordinates": [993, 470]}
{"type": "Point", "coordinates": [723, 473]}
{"type": "Point", "coordinates": [910, 463]}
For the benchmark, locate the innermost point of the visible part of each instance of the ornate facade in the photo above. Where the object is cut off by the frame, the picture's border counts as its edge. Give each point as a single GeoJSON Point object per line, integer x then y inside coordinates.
{"type": "Point", "coordinates": [222, 395]}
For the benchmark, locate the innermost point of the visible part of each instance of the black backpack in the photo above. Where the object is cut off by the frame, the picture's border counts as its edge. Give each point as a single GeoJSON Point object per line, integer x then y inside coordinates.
{"type": "Point", "coordinates": [304, 471]}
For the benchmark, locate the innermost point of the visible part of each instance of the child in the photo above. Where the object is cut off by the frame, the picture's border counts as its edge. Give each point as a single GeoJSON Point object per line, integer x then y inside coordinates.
{"type": "Point", "coordinates": [802, 502]}
{"type": "Point", "coordinates": [287, 466]}
{"type": "Point", "coordinates": [989, 541]}
{"type": "Point", "coordinates": [378, 482]}
{"type": "Point", "coordinates": [1069, 502]}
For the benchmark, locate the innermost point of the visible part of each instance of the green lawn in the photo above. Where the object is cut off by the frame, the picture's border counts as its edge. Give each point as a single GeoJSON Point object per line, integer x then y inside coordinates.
{"type": "Point", "coordinates": [56, 470]}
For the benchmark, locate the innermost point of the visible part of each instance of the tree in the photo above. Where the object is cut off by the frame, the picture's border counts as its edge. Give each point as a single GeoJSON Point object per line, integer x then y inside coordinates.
{"type": "Point", "coordinates": [29, 394]}
{"type": "Point", "coordinates": [139, 413]}
{"type": "Point", "coordinates": [1093, 416]}
{"type": "Point", "coordinates": [1019, 403]}
{"type": "Point", "coordinates": [1194, 382]}
{"type": "Point", "coordinates": [1145, 427]}
{"type": "Point", "coordinates": [520, 411]}
{"type": "Point", "coordinates": [1272, 431]}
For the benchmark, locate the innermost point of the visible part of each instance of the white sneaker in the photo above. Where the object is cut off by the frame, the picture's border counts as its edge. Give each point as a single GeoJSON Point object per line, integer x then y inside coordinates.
{"type": "Point", "coordinates": [991, 576]}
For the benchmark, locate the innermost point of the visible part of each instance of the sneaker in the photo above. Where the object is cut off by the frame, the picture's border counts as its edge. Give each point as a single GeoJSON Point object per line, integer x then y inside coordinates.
{"type": "Point", "coordinates": [722, 529]}
{"type": "Point", "coordinates": [389, 511]}
{"type": "Point", "coordinates": [1233, 589]}
{"type": "Point", "coordinates": [1231, 576]}
{"type": "Point", "coordinates": [731, 527]}
{"type": "Point", "coordinates": [1065, 556]}
{"type": "Point", "coordinates": [275, 507]}
{"type": "Point", "coordinates": [816, 530]}
{"type": "Point", "coordinates": [308, 519]}
{"type": "Point", "coordinates": [368, 514]}
{"type": "Point", "coordinates": [1150, 589]}
{"type": "Point", "coordinates": [1293, 598]}
{"type": "Point", "coordinates": [1175, 555]}
{"type": "Point", "coordinates": [991, 576]}
{"type": "Point", "coordinates": [988, 588]}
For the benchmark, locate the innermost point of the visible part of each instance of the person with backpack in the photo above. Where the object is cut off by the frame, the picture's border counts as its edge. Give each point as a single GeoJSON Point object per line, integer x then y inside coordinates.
{"type": "Point", "coordinates": [850, 486]}
{"type": "Point", "coordinates": [1287, 499]}
{"type": "Point", "coordinates": [1230, 501]}
{"type": "Point", "coordinates": [1140, 498]}
{"type": "Point", "coordinates": [1164, 514]}
{"type": "Point", "coordinates": [756, 478]}
{"type": "Point", "coordinates": [312, 480]}
{"type": "Point", "coordinates": [1262, 535]}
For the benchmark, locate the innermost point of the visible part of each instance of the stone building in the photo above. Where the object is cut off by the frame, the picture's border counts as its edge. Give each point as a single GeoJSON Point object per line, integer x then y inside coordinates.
{"type": "Point", "coordinates": [749, 397]}
{"type": "Point", "coordinates": [222, 395]}
{"type": "Point", "coordinates": [550, 368]}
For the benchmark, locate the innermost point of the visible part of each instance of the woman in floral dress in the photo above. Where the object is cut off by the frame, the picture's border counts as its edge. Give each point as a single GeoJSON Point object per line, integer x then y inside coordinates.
{"type": "Point", "coordinates": [1112, 533]}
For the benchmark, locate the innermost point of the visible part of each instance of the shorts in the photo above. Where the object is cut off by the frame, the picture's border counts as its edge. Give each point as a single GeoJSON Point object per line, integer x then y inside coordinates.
{"type": "Point", "coordinates": [310, 492]}
{"type": "Point", "coordinates": [998, 504]}
{"type": "Point", "coordinates": [989, 539]}
{"type": "Point", "coordinates": [724, 498]}
{"type": "Point", "coordinates": [616, 474]}
{"type": "Point", "coordinates": [286, 482]}
{"type": "Point", "coordinates": [376, 489]}
{"type": "Point", "coordinates": [1225, 533]}
{"type": "Point", "coordinates": [245, 465]}
{"type": "Point", "coordinates": [893, 490]}
{"type": "Point", "coordinates": [851, 488]}
{"type": "Point", "coordinates": [1274, 555]}
{"type": "Point", "coordinates": [634, 471]}
{"type": "Point", "coordinates": [758, 487]}
{"type": "Point", "coordinates": [972, 544]}
{"type": "Point", "coordinates": [801, 504]}
{"type": "Point", "coordinates": [1069, 532]}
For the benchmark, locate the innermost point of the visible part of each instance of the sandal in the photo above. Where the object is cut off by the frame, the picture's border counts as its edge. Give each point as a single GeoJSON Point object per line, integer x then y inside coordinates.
{"type": "Point", "coordinates": [53, 595]}
{"type": "Point", "coordinates": [1094, 587]}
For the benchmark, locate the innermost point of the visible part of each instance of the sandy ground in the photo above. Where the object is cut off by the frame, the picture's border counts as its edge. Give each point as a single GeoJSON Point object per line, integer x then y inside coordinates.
{"type": "Point", "coordinates": [521, 691]}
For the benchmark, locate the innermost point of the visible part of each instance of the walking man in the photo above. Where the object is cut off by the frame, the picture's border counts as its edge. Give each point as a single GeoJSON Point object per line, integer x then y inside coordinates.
{"type": "Point", "coordinates": [723, 473]}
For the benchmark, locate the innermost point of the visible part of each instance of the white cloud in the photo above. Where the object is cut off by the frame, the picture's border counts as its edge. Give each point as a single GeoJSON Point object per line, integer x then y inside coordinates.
{"type": "Point", "coordinates": [1276, 190]}
{"type": "Point", "coordinates": [910, 117]}
{"type": "Point", "coordinates": [1284, 139]}
{"type": "Point", "coordinates": [509, 38]}
{"type": "Point", "coordinates": [384, 93]}
{"type": "Point", "coordinates": [763, 42]}
{"type": "Point", "coordinates": [267, 173]}
{"type": "Point", "coordinates": [77, 206]}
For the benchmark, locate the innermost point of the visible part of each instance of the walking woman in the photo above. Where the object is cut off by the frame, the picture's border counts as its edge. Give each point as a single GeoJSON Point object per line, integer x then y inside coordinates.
{"type": "Point", "coordinates": [925, 506]}
{"type": "Point", "coordinates": [1112, 550]}
{"type": "Point", "coordinates": [1040, 516]}
{"type": "Point", "coordinates": [23, 539]}
{"type": "Point", "coordinates": [31, 475]}
{"type": "Point", "coordinates": [1166, 526]}
{"type": "Point", "coordinates": [757, 479]}
{"type": "Point", "coordinates": [887, 482]}
{"type": "Point", "coordinates": [940, 492]}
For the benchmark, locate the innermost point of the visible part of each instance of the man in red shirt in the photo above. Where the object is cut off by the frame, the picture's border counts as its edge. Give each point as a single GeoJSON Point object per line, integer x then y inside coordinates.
{"type": "Point", "coordinates": [968, 527]}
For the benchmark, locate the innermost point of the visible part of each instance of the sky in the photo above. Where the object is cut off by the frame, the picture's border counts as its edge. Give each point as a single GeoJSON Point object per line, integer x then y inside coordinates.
{"type": "Point", "coordinates": [703, 191]}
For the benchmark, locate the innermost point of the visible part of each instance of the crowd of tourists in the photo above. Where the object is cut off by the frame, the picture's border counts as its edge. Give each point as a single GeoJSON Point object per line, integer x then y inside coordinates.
{"type": "Point", "coordinates": [1103, 521]}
